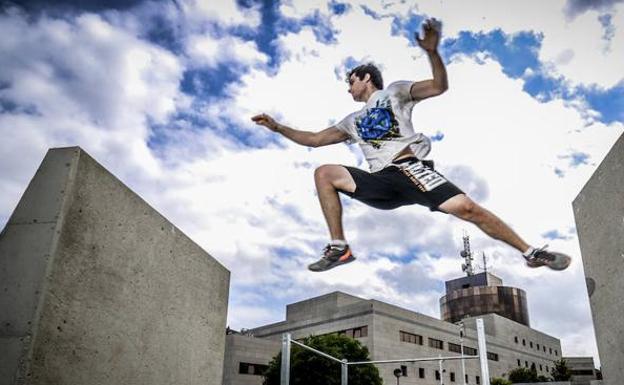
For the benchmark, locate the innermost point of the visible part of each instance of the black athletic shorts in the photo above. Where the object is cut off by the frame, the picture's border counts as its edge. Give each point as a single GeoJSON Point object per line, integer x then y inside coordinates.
{"type": "Point", "coordinates": [404, 182]}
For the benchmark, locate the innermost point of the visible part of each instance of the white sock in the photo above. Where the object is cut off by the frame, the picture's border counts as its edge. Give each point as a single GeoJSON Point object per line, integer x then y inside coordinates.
{"type": "Point", "coordinates": [338, 242]}
{"type": "Point", "coordinates": [528, 252]}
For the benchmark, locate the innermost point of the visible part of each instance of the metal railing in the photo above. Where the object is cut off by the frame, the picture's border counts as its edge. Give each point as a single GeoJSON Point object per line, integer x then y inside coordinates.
{"type": "Point", "coordinates": [482, 357]}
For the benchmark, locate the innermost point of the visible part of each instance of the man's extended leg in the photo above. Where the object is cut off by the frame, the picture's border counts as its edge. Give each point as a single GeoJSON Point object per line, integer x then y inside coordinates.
{"type": "Point", "coordinates": [329, 179]}
{"type": "Point", "coordinates": [465, 208]}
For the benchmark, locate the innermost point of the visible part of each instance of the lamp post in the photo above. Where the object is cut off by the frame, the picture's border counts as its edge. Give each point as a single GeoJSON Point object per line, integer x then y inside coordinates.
{"type": "Point", "coordinates": [398, 373]}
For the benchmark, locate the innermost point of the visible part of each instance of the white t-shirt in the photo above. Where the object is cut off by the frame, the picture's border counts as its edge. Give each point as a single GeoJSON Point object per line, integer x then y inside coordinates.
{"type": "Point", "coordinates": [383, 127]}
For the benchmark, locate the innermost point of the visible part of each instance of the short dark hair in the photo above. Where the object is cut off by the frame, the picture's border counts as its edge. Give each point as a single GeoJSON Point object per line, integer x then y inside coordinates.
{"type": "Point", "coordinates": [368, 68]}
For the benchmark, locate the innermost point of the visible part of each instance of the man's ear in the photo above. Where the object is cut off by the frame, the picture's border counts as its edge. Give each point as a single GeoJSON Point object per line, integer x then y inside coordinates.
{"type": "Point", "coordinates": [367, 78]}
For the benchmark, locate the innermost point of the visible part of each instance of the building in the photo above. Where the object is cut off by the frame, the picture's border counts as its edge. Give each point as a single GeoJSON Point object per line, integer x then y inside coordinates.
{"type": "Point", "coordinates": [583, 370]}
{"type": "Point", "coordinates": [483, 293]}
{"type": "Point", "coordinates": [392, 332]}
{"type": "Point", "coordinates": [598, 212]}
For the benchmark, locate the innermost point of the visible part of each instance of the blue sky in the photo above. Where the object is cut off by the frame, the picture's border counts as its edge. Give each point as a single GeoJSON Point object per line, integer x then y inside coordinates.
{"type": "Point", "coordinates": [161, 93]}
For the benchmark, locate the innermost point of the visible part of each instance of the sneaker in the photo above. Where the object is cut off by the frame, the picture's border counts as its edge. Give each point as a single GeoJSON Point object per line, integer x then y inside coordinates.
{"type": "Point", "coordinates": [332, 256]}
{"type": "Point", "coordinates": [542, 257]}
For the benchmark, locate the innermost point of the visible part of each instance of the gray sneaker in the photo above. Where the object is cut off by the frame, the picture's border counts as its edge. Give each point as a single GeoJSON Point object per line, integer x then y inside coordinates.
{"type": "Point", "coordinates": [542, 257]}
{"type": "Point", "coordinates": [332, 256]}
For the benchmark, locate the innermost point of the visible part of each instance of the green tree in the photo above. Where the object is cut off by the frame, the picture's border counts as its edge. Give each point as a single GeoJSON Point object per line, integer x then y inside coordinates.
{"type": "Point", "coordinates": [308, 368]}
{"type": "Point", "coordinates": [499, 381]}
{"type": "Point", "coordinates": [522, 375]}
{"type": "Point", "coordinates": [560, 371]}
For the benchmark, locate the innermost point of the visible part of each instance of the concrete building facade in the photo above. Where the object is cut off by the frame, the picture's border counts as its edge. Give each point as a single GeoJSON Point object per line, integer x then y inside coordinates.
{"type": "Point", "coordinates": [583, 370]}
{"type": "Point", "coordinates": [599, 215]}
{"type": "Point", "coordinates": [391, 332]}
{"type": "Point", "coordinates": [96, 287]}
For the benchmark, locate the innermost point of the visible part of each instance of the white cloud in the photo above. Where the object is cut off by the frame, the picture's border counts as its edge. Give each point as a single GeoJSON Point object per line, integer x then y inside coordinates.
{"type": "Point", "coordinates": [209, 51]}
{"type": "Point", "coordinates": [225, 12]}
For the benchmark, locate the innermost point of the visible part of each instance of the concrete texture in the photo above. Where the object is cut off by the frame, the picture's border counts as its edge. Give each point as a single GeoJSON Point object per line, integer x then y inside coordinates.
{"type": "Point", "coordinates": [96, 287]}
{"type": "Point", "coordinates": [599, 214]}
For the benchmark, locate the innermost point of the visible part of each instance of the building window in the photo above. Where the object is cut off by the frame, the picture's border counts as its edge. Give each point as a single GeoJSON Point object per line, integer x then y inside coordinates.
{"type": "Point", "coordinates": [492, 356]}
{"type": "Point", "coordinates": [358, 332]}
{"type": "Point", "coordinates": [437, 375]}
{"type": "Point", "coordinates": [526, 364]}
{"type": "Point", "coordinates": [519, 364]}
{"type": "Point", "coordinates": [436, 343]}
{"type": "Point", "coordinates": [556, 354]}
{"type": "Point", "coordinates": [470, 351]}
{"type": "Point", "coordinates": [546, 367]}
{"type": "Point", "coordinates": [454, 347]}
{"type": "Point", "coordinates": [544, 349]}
{"type": "Point", "coordinates": [550, 349]}
{"type": "Point", "coordinates": [582, 372]}
{"type": "Point", "coordinates": [466, 378]}
{"type": "Point", "coordinates": [404, 370]}
{"type": "Point", "coordinates": [452, 376]}
{"type": "Point", "coordinates": [537, 346]}
{"type": "Point", "coordinates": [541, 367]}
{"type": "Point", "coordinates": [411, 338]}
{"type": "Point", "coordinates": [531, 344]}
{"type": "Point", "coordinates": [478, 380]}
{"type": "Point", "coordinates": [516, 339]}
{"type": "Point", "coordinates": [523, 342]}
{"type": "Point", "coordinates": [254, 369]}
{"type": "Point", "coordinates": [421, 373]}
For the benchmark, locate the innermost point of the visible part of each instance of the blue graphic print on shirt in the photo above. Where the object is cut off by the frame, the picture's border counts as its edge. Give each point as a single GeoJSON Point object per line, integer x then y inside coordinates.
{"type": "Point", "coordinates": [378, 124]}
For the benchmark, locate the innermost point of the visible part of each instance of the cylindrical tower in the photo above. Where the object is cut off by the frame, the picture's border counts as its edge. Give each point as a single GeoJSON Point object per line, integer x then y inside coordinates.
{"type": "Point", "coordinates": [508, 302]}
{"type": "Point", "coordinates": [483, 293]}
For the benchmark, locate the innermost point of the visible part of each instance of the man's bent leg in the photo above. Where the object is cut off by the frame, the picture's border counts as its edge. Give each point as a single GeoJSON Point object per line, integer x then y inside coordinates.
{"type": "Point", "coordinates": [465, 208]}
{"type": "Point", "coordinates": [329, 179]}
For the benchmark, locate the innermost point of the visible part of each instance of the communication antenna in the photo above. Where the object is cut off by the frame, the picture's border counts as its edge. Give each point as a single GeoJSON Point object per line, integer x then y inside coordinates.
{"type": "Point", "coordinates": [467, 255]}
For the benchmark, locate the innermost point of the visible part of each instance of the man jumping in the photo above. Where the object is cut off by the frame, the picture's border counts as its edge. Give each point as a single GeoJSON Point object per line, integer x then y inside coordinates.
{"type": "Point", "coordinates": [399, 174]}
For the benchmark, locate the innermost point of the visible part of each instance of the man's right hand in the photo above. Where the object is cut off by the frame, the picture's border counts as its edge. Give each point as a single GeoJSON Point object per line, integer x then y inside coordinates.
{"type": "Point", "coordinates": [267, 121]}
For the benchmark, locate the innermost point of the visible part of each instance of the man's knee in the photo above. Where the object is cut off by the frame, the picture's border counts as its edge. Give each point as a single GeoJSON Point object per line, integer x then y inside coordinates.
{"type": "Point", "coordinates": [324, 173]}
{"type": "Point", "coordinates": [335, 175]}
{"type": "Point", "coordinates": [463, 207]}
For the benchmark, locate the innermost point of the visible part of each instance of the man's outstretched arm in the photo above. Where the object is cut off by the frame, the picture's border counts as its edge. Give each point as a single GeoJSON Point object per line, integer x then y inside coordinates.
{"type": "Point", "coordinates": [433, 87]}
{"type": "Point", "coordinates": [325, 137]}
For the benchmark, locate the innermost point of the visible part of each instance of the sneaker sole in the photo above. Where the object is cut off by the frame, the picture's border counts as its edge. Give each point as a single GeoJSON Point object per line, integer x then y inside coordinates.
{"type": "Point", "coordinates": [562, 263]}
{"type": "Point", "coordinates": [339, 262]}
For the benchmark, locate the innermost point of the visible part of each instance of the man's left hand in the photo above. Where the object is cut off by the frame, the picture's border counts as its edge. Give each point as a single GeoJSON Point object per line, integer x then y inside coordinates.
{"type": "Point", "coordinates": [431, 35]}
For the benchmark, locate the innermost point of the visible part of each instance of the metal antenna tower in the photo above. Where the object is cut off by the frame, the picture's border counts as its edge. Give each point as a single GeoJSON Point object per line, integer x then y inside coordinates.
{"type": "Point", "coordinates": [467, 255]}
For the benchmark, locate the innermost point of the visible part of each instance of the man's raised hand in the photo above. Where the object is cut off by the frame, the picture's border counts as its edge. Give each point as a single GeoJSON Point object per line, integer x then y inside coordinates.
{"type": "Point", "coordinates": [267, 121]}
{"type": "Point", "coordinates": [431, 35]}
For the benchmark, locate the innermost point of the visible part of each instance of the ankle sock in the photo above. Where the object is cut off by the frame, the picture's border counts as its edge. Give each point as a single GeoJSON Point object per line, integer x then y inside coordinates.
{"type": "Point", "coordinates": [338, 242]}
{"type": "Point", "coordinates": [528, 252]}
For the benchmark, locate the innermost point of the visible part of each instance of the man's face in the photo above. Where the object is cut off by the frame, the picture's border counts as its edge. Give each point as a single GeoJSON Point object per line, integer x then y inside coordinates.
{"type": "Point", "coordinates": [357, 87]}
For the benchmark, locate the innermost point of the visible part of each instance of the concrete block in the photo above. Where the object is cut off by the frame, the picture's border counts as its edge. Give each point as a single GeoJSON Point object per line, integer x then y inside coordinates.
{"type": "Point", "coordinates": [599, 215]}
{"type": "Point", "coordinates": [96, 287]}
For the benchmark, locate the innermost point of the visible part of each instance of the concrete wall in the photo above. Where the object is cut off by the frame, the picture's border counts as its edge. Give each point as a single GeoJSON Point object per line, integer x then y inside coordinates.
{"type": "Point", "coordinates": [599, 214]}
{"type": "Point", "coordinates": [96, 287]}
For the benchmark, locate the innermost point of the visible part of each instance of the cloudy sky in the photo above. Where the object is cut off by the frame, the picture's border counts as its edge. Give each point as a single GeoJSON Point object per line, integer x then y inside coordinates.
{"type": "Point", "coordinates": [161, 93]}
